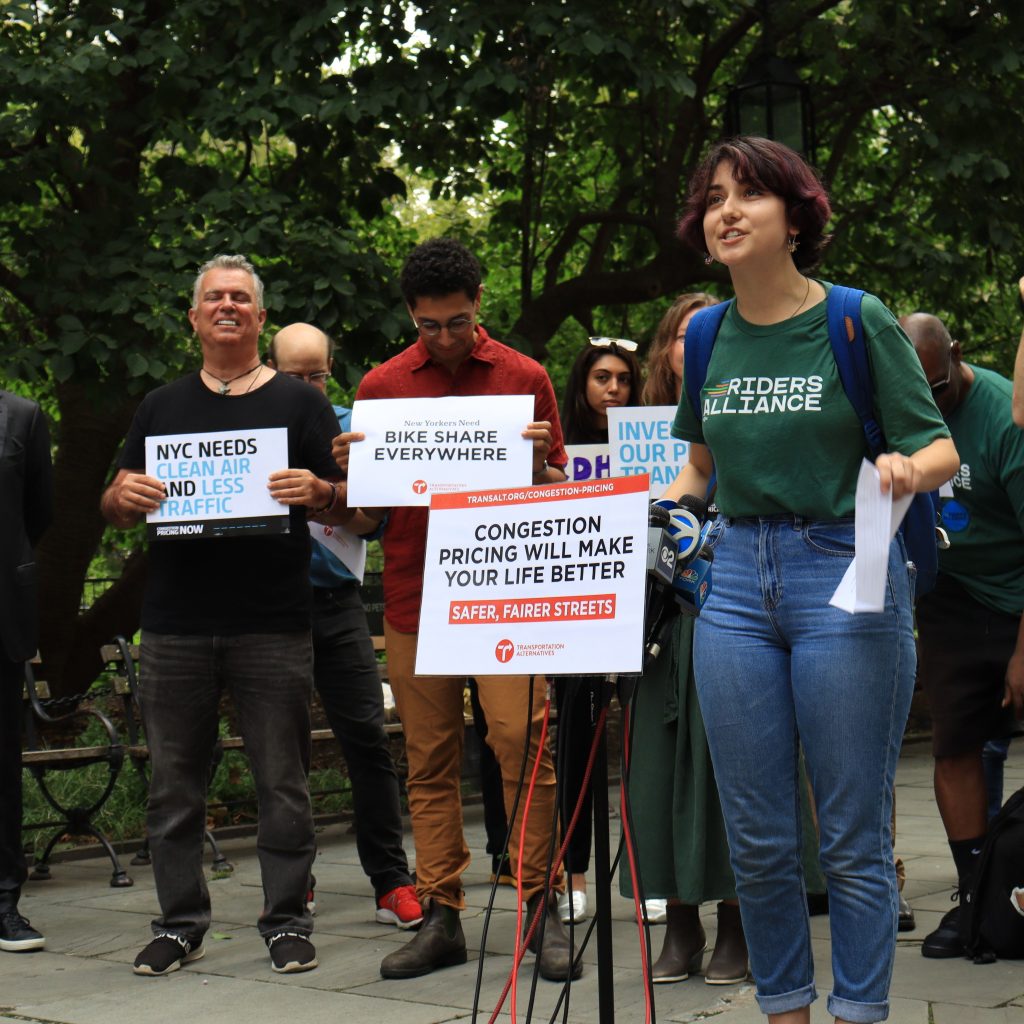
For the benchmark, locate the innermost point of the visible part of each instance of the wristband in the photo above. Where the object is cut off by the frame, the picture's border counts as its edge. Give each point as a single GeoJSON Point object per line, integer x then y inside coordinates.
{"type": "Point", "coordinates": [331, 503]}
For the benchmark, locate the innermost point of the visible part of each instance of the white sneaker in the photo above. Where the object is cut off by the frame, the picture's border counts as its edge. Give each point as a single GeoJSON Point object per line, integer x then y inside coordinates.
{"type": "Point", "coordinates": [656, 911]}
{"type": "Point", "coordinates": [579, 906]}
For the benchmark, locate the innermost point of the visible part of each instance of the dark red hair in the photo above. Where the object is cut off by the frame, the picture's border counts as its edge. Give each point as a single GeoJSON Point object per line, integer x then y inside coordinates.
{"type": "Point", "coordinates": [776, 168]}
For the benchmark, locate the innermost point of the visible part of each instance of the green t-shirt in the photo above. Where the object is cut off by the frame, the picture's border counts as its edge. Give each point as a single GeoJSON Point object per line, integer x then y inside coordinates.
{"type": "Point", "coordinates": [782, 432]}
{"type": "Point", "coordinates": [985, 517]}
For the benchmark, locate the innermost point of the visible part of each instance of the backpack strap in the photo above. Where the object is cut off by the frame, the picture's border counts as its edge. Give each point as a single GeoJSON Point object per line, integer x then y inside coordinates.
{"type": "Point", "coordinates": [698, 344]}
{"type": "Point", "coordinates": [846, 334]}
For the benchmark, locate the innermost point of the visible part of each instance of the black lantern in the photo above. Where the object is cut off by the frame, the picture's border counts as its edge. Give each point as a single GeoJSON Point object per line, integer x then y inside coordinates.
{"type": "Point", "coordinates": [772, 101]}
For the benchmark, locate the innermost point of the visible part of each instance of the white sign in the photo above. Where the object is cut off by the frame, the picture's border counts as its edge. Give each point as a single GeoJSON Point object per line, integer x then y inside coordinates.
{"type": "Point", "coordinates": [535, 580]}
{"type": "Point", "coordinates": [876, 519]}
{"type": "Point", "coordinates": [216, 483]}
{"type": "Point", "coordinates": [348, 548]}
{"type": "Point", "coordinates": [588, 462]}
{"type": "Point", "coordinates": [418, 447]}
{"type": "Point", "coordinates": [640, 442]}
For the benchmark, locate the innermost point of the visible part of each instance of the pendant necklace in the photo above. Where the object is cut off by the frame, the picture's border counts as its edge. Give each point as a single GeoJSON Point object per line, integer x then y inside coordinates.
{"type": "Point", "coordinates": [226, 384]}
{"type": "Point", "coordinates": [807, 291]}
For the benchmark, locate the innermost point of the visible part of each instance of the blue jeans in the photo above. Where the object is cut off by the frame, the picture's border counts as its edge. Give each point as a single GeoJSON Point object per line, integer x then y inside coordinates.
{"type": "Point", "coordinates": [778, 668]}
{"type": "Point", "coordinates": [269, 677]}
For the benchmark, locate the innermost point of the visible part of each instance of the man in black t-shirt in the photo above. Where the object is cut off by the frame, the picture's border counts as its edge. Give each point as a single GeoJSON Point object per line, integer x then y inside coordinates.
{"type": "Point", "coordinates": [228, 612]}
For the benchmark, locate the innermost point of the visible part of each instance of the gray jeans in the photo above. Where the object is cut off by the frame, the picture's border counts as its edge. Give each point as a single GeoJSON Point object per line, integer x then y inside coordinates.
{"type": "Point", "coordinates": [269, 677]}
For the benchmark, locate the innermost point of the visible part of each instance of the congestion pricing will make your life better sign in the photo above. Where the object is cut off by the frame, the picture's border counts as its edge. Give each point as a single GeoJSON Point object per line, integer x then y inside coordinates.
{"type": "Point", "coordinates": [535, 580]}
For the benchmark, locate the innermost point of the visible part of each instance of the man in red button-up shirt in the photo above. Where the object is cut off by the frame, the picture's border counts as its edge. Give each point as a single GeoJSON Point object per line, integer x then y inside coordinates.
{"type": "Point", "coordinates": [454, 355]}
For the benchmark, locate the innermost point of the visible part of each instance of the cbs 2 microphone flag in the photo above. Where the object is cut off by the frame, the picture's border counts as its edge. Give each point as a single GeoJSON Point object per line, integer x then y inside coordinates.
{"type": "Point", "coordinates": [547, 580]}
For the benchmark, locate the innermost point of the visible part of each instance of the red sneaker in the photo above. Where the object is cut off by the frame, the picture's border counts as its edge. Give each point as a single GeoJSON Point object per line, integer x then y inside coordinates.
{"type": "Point", "coordinates": [400, 907]}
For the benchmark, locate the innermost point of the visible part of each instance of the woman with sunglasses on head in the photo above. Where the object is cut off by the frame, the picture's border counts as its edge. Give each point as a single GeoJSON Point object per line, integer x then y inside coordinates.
{"type": "Point", "coordinates": [604, 375]}
{"type": "Point", "coordinates": [777, 668]}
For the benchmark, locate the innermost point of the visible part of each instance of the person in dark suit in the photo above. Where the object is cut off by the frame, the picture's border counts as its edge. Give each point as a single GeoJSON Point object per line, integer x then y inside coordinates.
{"type": "Point", "coordinates": [26, 506]}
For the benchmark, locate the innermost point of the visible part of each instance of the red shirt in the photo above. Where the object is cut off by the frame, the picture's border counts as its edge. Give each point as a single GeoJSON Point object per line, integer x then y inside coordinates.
{"type": "Point", "coordinates": [491, 368]}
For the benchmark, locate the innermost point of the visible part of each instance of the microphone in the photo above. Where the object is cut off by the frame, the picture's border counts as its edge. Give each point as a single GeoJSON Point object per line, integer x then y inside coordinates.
{"type": "Point", "coordinates": [690, 583]}
{"type": "Point", "coordinates": [692, 586]}
{"type": "Point", "coordinates": [662, 546]}
{"type": "Point", "coordinates": [687, 520]}
{"type": "Point", "coordinates": [662, 557]}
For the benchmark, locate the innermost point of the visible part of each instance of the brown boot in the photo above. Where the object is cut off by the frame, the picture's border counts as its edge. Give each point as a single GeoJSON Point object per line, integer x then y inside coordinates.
{"type": "Point", "coordinates": [729, 960]}
{"type": "Point", "coordinates": [438, 943]}
{"type": "Point", "coordinates": [684, 947]}
{"type": "Point", "coordinates": [556, 957]}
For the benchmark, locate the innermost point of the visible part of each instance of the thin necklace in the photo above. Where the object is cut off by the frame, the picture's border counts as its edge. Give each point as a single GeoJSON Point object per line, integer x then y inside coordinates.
{"type": "Point", "coordinates": [225, 384]}
{"type": "Point", "coordinates": [807, 292]}
{"type": "Point", "coordinates": [252, 383]}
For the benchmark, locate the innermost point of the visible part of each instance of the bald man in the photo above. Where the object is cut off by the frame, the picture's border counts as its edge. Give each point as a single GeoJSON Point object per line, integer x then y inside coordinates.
{"type": "Point", "coordinates": [345, 670]}
{"type": "Point", "coordinates": [971, 626]}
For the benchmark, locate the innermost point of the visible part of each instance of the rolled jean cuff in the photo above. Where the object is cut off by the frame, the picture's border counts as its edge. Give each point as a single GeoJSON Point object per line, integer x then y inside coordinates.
{"type": "Point", "coordinates": [858, 1013]}
{"type": "Point", "coordinates": [786, 1002]}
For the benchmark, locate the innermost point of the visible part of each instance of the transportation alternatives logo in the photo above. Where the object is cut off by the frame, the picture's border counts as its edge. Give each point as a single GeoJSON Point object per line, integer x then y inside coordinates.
{"type": "Point", "coordinates": [503, 651]}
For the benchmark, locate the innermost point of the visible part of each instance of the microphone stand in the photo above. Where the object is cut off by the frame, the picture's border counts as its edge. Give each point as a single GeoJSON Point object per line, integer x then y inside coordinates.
{"type": "Point", "coordinates": [602, 872]}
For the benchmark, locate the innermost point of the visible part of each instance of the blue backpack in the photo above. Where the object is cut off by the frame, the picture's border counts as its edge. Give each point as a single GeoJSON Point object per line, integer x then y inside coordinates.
{"type": "Point", "coordinates": [846, 334]}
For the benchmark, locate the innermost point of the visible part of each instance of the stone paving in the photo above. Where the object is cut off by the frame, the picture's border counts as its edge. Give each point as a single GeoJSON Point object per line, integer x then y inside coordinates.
{"type": "Point", "coordinates": [94, 932]}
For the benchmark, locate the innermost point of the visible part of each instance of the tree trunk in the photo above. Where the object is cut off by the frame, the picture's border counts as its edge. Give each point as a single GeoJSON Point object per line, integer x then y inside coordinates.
{"type": "Point", "coordinates": [91, 430]}
{"type": "Point", "coordinates": [667, 274]}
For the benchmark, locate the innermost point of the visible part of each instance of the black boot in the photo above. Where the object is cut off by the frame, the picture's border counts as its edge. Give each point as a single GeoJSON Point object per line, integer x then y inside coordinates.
{"type": "Point", "coordinates": [555, 958]}
{"type": "Point", "coordinates": [905, 922]}
{"type": "Point", "coordinates": [438, 943]}
{"type": "Point", "coordinates": [685, 942]}
{"type": "Point", "coordinates": [945, 941]}
{"type": "Point", "coordinates": [728, 962]}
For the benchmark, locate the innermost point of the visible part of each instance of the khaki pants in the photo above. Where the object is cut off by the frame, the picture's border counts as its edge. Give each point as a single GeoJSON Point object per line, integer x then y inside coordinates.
{"type": "Point", "coordinates": [431, 709]}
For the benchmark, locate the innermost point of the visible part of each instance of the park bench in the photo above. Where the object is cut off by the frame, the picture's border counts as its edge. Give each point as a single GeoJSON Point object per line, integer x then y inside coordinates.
{"type": "Point", "coordinates": [48, 724]}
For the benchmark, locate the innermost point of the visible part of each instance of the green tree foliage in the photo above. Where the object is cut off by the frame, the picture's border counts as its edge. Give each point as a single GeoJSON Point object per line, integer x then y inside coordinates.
{"type": "Point", "coordinates": [135, 142]}
{"type": "Point", "coordinates": [579, 124]}
{"type": "Point", "coordinates": [556, 138]}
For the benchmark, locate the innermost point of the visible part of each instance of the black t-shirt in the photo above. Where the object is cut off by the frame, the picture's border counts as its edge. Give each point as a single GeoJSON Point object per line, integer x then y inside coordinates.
{"type": "Point", "coordinates": [232, 585]}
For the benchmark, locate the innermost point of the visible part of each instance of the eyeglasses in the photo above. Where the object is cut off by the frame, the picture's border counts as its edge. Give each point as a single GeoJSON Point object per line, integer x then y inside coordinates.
{"type": "Point", "coordinates": [942, 386]}
{"type": "Point", "coordinates": [310, 378]}
{"type": "Point", "coordinates": [624, 343]}
{"type": "Point", "coordinates": [431, 328]}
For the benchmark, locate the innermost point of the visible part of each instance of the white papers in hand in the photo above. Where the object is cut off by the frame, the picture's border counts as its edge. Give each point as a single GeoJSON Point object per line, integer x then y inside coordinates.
{"type": "Point", "coordinates": [877, 518]}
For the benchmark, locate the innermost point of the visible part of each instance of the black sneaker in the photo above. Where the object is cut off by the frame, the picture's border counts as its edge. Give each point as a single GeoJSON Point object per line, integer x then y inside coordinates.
{"type": "Point", "coordinates": [291, 952]}
{"type": "Point", "coordinates": [165, 954]}
{"type": "Point", "coordinates": [17, 935]}
{"type": "Point", "coordinates": [945, 942]}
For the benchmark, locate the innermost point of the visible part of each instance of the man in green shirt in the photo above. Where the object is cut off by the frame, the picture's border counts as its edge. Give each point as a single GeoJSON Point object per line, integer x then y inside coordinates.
{"type": "Point", "coordinates": [971, 627]}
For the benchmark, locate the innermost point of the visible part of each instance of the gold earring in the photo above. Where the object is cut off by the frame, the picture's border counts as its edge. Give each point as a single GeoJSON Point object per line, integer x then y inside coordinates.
{"type": "Point", "coordinates": [791, 245]}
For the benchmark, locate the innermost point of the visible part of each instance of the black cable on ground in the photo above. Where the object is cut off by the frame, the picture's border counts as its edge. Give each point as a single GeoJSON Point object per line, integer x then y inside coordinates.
{"type": "Point", "coordinates": [504, 850]}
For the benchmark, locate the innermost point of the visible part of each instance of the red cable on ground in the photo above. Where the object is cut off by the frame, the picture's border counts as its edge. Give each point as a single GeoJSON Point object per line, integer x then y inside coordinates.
{"type": "Point", "coordinates": [633, 873]}
{"type": "Point", "coordinates": [520, 946]}
{"type": "Point", "coordinates": [520, 949]}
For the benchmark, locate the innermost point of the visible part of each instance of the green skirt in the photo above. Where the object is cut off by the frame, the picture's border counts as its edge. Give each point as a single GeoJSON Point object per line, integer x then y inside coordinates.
{"type": "Point", "coordinates": [680, 833]}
